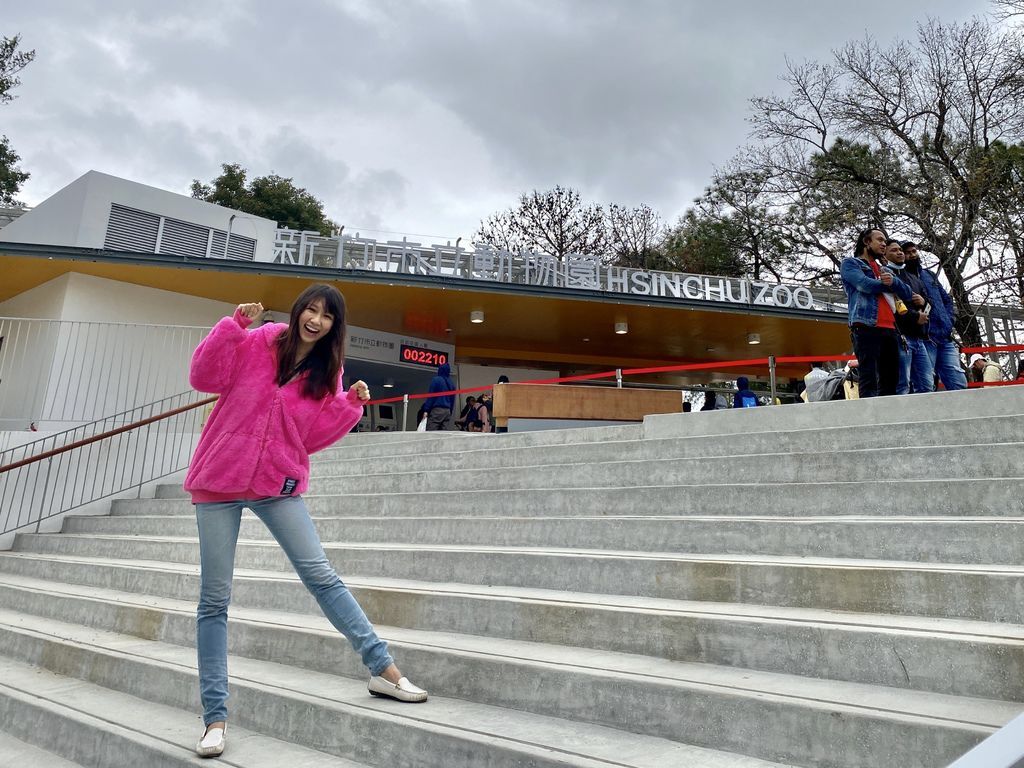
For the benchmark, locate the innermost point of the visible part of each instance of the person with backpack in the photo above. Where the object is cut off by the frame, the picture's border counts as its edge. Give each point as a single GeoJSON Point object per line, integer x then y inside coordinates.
{"type": "Point", "coordinates": [478, 418]}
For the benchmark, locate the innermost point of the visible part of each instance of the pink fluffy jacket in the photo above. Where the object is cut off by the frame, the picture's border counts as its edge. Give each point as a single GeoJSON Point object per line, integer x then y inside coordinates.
{"type": "Point", "coordinates": [258, 438]}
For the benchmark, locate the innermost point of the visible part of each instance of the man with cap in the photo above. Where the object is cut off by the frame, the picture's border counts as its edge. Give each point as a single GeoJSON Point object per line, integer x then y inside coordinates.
{"type": "Point", "coordinates": [983, 369]}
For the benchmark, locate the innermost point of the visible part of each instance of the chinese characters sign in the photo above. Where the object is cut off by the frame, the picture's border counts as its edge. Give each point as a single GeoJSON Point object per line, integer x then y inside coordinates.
{"type": "Point", "coordinates": [575, 271]}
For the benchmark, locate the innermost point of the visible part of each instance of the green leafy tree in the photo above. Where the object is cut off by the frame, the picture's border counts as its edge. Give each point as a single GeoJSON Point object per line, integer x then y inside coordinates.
{"type": "Point", "coordinates": [12, 62]}
{"type": "Point", "coordinates": [704, 243]}
{"type": "Point", "coordinates": [272, 197]}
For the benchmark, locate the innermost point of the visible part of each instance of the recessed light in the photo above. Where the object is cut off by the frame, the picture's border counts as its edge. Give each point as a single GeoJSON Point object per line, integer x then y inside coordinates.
{"type": "Point", "coordinates": [476, 316]}
{"type": "Point", "coordinates": [621, 328]}
{"type": "Point", "coordinates": [753, 338]}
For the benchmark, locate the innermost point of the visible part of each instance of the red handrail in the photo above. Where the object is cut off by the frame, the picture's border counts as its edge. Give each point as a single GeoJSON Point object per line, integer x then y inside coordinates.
{"type": "Point", "coordinates": [104, 435]}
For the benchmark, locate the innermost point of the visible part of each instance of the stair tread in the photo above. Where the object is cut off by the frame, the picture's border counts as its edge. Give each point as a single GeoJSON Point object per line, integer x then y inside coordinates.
{"type": "Point", "coordinates": [830, 693]}
{"type": "Point", "coordinates": [16, 753]}
{"type": "Point", "coordinates": [580, 743]}
{"type": "Point", "coordinates": [569, 552]}
{"type": "Point", "coordinates": [172, 731]}
{"type": "Point", "coordinates": [968, 628]}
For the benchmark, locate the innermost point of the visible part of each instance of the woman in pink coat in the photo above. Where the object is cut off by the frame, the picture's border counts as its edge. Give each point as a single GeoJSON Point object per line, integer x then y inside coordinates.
{"type": "Point", "coordinates": [280, 400]}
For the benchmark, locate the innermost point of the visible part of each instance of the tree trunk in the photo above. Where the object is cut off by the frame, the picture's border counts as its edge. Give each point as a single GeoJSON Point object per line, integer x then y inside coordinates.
{"type": "Point", "coordinates": [965, 321]}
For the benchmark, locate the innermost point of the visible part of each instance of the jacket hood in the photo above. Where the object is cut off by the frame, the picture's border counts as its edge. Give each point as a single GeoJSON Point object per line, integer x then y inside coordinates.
{"type": "Point", "coordinates": [742, 382]}
{"type": "Point", "coordinates": [444, 370]}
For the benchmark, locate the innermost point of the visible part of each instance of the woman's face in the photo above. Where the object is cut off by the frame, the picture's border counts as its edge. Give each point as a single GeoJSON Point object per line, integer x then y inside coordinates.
{"type": "Point", "coordinates": [315, 322]}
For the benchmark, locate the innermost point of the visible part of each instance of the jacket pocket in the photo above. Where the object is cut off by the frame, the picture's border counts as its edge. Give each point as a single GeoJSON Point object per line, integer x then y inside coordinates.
{"type": "Point", "coordinates": [283, 470]}
{"type": "Point", "coordinates": [227, 466]}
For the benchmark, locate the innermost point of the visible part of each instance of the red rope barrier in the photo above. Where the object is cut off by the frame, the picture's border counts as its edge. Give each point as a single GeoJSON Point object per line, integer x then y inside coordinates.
{"type": "Point", "coordinates": [752, 362]}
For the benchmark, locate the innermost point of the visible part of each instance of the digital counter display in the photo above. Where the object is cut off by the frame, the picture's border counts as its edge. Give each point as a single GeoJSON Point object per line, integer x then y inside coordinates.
{"type": "Point", "coordinates": [430, 358]}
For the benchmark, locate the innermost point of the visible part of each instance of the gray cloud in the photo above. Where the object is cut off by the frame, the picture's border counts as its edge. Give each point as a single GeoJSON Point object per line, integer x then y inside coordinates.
{"type": "Point", "coordinates": [417, 116]}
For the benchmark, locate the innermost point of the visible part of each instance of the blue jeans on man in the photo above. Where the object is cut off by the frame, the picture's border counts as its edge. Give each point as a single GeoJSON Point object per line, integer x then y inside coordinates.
{"type": "Point", "coordinates": [917, 372]}
{"type": "Point", "coordinates": [289, 523]}
{"type": "Point", "coordinates": [945, 357]}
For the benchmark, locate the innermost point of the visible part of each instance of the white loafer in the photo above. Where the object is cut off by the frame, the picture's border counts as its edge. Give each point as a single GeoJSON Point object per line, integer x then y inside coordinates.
{"type": "Point", "coordinates": [404, 691]}
{"type": "Point", "coordinates": [213, 742]}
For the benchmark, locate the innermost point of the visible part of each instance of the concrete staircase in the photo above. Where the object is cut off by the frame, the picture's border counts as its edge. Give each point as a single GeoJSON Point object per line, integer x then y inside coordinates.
{"type": "Point", "coordinates": [829, 585]}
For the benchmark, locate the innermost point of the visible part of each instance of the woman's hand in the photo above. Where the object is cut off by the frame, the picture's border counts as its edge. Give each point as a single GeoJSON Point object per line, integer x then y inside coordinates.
{"type": "Point", "coordinates": [251, 311]}
{"type": "Point", "coordinates": [362, 391]}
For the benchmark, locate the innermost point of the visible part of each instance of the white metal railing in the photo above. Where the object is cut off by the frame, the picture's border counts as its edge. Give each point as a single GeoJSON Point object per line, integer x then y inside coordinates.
{"type": "Point", "coordinates": [56, 374]}
{"type": "Point", "coordinates": [62, 472]}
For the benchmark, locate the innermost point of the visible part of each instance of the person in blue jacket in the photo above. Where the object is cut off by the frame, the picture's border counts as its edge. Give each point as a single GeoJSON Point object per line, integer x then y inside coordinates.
{"type": "Point", "coordinates": [871, 291]}
{"type": "Point", "coordinates": [439, 408]}
{"type": "Point", "coordinates": [942, 350]}
{"type": "Point", "coordinates": [744, 397]}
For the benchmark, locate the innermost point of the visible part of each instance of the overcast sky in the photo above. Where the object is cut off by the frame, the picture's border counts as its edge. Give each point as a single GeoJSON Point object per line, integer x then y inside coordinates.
{"type": "Point", "coordinates": [417, 117]}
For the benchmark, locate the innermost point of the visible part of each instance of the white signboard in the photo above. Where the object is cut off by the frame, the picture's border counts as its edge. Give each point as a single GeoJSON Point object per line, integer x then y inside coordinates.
{"type": "Point", "coordinates": [379, 346]}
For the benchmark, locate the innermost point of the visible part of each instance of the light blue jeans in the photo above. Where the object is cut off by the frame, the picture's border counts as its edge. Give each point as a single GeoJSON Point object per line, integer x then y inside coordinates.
{"type": "Point", "coordinates": [946, 362]}
{"type": "Point", "coordinates": [917, 372]}
{"type": "Point", "coordinates": [288, 521]}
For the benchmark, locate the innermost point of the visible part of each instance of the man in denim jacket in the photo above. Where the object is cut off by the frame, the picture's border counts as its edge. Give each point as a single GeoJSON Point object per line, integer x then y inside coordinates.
{"type": "Point", "coordinates": [940, 347]}
{"type": "Point", "coordinates": [872, 322]}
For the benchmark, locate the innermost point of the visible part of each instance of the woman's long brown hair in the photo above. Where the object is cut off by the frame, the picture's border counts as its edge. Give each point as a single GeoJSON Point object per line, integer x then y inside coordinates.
{"type": "Point", "coordinates": [326, 358]}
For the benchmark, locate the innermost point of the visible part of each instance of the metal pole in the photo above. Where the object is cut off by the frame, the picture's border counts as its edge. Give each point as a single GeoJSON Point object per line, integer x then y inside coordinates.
{"type": "Point", "coordinates": [771, 376]}
{"type": "Point", "coordinates": [227, 238]}
{"type": "Point", "coordinates": [405, 412]}
{"type": "Point", "coordinates": [618, 378]}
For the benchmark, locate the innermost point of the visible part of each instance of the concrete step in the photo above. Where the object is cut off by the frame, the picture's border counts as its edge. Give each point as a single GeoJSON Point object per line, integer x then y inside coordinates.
{"type": "Point", "coordinates": [102, 728]}
{"type": "Point", "coordinates": [998, 497]}
{"type": "Point", "coordinates": [983, 593]}
{"type": "Point", "coordinates": [914, 539]}
{"type": "Point", "coordinates": [933, 462]}
{"type": "Point", "coordinates": [17, 753]}
{"type": "Point", "coordinates": [438, 653]}
{"type": "Point", "coordinates": [956, 657]}
{"type": "Point", "coordinates": [338, 715]}
{"type": "Point", "coordinates": [488, 454]}
{"type": "Point", "coordinates": [400, 443]}
{"type": "Point", "coordinates": [876, 412]}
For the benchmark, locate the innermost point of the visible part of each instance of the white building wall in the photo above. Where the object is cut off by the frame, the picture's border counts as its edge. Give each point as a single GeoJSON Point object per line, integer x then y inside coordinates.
{"type": "Point", "coordinates": [101, 300]}
{"type": "Point", "coordinates": [77, 215]}
{"type": "Point", "coordinates": [46, 300]}
{"type": "Point", "coordinates": [27, 352]}
{"type": "Point", "coordinates": [79, 365]}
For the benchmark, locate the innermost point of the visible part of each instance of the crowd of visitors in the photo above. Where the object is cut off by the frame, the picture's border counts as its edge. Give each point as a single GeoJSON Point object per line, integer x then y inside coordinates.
{"type": "Point", "coordinates": [901, 323]}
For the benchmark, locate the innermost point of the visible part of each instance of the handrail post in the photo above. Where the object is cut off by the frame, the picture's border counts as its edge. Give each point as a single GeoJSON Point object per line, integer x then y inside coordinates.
{"type": "Point", "coordinates": [405, 412]}
{"type": "Point", "coordinates": [771, 377]}
{"type": "Point", "coordinates": [618, 378]}
{"type": "Point", "coordinates": [142, 472]}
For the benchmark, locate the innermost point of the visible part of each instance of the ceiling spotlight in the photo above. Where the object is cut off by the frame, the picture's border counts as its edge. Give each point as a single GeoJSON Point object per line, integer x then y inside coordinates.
{"type": "Point", "coordinates": [753, 338]}
{"type": "Point", "coordinates": [476, 316]}
{"type": "Point", "coordinates": [389, 384]}
{"type": "Point", "coordinates": [621, 328]}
